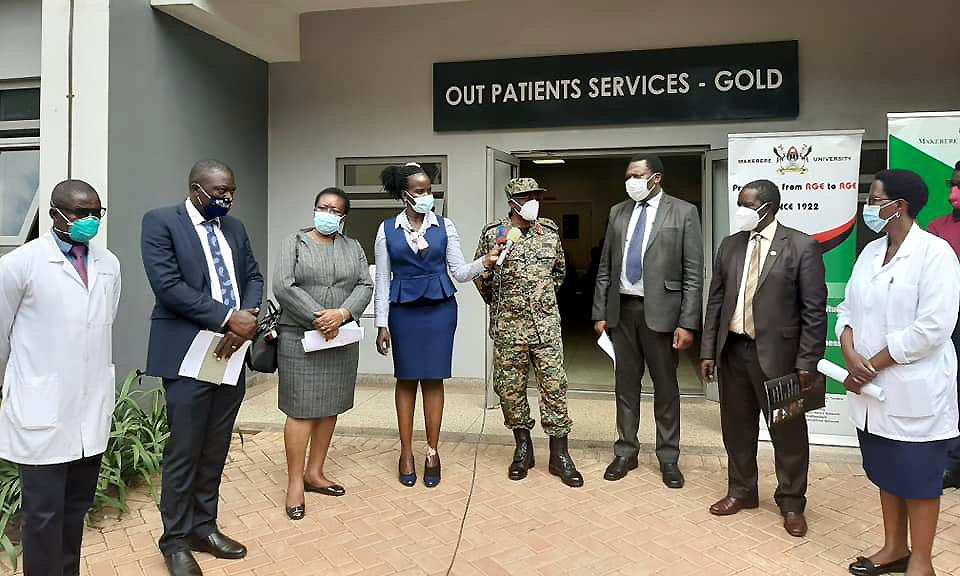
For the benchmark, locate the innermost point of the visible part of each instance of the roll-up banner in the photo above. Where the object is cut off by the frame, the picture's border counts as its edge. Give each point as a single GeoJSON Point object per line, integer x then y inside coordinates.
{"type": "Point", "coordinates": [818, 175]}
{"type": "Point", "coordinates": [929, 144]}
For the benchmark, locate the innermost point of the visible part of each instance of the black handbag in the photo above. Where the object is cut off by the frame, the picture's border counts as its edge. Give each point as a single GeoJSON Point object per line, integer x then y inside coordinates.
{"type": "Point", "coordinates": [262, 355]}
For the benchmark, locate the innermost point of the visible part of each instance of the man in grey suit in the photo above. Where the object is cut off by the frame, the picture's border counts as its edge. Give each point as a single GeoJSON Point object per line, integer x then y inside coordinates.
{"type": "Point", "coordinates": [648, 297]}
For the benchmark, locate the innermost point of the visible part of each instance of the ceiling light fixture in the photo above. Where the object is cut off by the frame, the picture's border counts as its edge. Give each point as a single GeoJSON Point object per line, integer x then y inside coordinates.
{"type": "Point", "coordinates": [548, 161]}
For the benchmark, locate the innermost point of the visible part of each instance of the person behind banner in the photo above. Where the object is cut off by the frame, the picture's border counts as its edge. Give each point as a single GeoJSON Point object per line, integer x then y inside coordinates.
{"type": "Point", "coordinates": [766, 318]}
{"type": "Point", "coordinates": [948, 228]}
{"type": "Point", "coordinates": [894, 327]}
{"type": "Point", "coordinates": [58, 300]}
{"type": "Point", "coordinates": [204, 276]}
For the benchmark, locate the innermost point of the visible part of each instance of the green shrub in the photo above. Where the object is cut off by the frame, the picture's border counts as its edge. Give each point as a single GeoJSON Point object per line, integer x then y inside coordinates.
{"type": "Point", "coordinates": [134, 452]}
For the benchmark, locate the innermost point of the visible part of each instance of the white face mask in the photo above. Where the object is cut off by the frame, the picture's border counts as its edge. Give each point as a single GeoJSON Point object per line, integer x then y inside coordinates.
{"type": "Point", "coordinates": [747, 219]}
{"type": "Point", "coordinates": [528, 211]}
{"type": "Point", "coordinates": [638, 189]}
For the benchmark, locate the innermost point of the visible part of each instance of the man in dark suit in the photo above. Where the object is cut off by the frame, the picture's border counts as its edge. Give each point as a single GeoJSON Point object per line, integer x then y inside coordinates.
{"type": "Point", "coordinates": [766, 318]}
{"type": "Point", "coordinates": [204, 276]}
{"type": "Point", "coordinates": [648, 296]}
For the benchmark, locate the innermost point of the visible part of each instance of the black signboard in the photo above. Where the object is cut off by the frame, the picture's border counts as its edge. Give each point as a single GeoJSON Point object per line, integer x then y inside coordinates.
{"type": "Point", "coordinates": [731, 82]}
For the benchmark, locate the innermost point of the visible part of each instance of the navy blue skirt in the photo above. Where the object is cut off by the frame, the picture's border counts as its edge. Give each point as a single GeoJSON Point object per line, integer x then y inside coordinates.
{"type": "Point", "coordinates": [421, 334]}
{"type": "Point", "coordinates": [910, 470]}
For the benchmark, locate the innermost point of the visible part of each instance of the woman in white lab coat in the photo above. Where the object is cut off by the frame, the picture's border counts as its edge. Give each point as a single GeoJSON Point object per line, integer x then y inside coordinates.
{"type": "Point", "coordinates": [894, 328]}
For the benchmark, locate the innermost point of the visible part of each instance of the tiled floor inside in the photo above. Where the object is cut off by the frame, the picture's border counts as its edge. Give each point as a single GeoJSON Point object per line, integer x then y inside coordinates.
{"type": "Point", "coordinates": [535, 527]}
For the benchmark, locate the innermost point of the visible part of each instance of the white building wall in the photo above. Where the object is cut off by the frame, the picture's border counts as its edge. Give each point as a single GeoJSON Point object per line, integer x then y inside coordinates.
{"type": "Point", "coordinates": [364, 87]}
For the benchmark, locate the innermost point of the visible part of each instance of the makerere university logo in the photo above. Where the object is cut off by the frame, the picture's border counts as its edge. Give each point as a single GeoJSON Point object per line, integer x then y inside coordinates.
{"type": "Point", "coordinates": [792, 161]}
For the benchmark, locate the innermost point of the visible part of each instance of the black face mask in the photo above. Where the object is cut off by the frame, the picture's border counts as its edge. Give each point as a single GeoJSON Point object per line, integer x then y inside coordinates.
{"type": "Point", "coordinates": [216, 207]}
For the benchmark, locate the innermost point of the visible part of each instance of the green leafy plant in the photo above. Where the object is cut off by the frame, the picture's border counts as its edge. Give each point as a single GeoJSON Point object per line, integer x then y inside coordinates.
{"type": "Point", "coordinates": [134, 453]}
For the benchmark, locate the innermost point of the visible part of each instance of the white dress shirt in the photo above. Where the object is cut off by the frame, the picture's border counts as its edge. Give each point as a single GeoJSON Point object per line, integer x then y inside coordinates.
{"type": "Point", "coordinates": [908, 306]}
{"type": "Point", "coordinates": [56, 363]}
{"type": "Point", "coordinates": [652, 205]}
{"type": "Point", "coordinates": [216, 291]}
{"type": "Point", "coordinates": [766, 239]}
{"type": "Point", "coordinates": [460, 269]}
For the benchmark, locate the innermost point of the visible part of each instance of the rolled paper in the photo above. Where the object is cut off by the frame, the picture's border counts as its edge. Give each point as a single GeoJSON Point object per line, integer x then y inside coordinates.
{"type": "Point", "coordinates": [838, 373]}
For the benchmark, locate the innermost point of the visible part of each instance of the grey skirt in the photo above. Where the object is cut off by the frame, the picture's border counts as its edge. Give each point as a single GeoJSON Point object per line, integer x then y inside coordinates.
{"type": "Point", "coordinates": [316, 384]}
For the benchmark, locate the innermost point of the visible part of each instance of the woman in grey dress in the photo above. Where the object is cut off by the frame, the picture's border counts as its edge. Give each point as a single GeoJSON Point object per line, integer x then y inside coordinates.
{"type": "Point", "coordinates": [322, 282]}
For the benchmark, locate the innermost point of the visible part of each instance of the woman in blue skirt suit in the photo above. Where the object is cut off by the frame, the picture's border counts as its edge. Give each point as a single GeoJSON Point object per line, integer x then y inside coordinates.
{"type": "Point", "coordinates": [416, 253]}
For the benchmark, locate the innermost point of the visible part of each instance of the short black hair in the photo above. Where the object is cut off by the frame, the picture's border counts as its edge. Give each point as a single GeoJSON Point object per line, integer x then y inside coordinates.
{"type": "Point", "coordinates": [67, 189]}
{"type": "Point", "coordinates": [207, 166]}
{"type": "Point", "coordinates": [956, 167]}
{"type": "Point", "coordinates": [394, 178]}
{"type": "Point", "coordinates": [905, 185]}
{"type": "Point", "coordinates": [653, 162]}
{"type": "Point", "coordinates": [767, 192]}
{"type": "Point", "coordinates": [333, 191]}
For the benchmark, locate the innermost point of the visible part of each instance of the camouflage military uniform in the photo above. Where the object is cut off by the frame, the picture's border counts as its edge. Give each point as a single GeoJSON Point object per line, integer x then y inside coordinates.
{"type": "Point", "coordinates": [525, 325]}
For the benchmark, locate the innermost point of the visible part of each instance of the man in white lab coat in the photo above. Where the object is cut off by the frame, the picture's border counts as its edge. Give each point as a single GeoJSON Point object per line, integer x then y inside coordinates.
{"type": "Point", "coordinates": [58, 299]}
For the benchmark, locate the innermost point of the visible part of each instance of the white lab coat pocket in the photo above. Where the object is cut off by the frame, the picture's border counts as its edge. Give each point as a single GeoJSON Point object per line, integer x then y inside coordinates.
{"type": "Point", "coordinates": [909, 398]}
{"type": "Point", "coordinates": [901, 305]}
{"type": "Point", "coordinates": [34, 403]}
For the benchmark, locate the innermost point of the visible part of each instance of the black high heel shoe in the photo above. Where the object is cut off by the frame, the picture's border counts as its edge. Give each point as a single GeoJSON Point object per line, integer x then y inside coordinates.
{"type": "Point", "coordinates": [431, 474]}
{"type": "Point", "coordinates": [408, 480]}
{"type": "Point", "coordinates": [297, 512]}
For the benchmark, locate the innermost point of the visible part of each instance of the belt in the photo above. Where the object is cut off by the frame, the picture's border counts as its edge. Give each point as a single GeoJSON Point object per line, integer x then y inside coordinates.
{"type": "Point", "coordinates": [736, 336]}
{"type": "Point", "coordinates": [631, 297]}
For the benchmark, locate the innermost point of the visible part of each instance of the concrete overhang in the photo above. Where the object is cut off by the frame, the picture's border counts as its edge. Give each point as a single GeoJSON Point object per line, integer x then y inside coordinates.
{"type": "Point", "coordinates": [267, 29]}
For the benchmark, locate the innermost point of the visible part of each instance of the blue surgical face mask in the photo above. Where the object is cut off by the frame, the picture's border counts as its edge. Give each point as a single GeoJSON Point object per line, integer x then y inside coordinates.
{"type": "Point", "coordinates": [327, 224]}
{"type": "Point", "coordinates": [421, 204]}
{"type": "Point", "coordinates": [217, 208]}
{"type": "Point", "coordinates": [82, 230]}
{"type": "Point", "coordinates": [871, 217]}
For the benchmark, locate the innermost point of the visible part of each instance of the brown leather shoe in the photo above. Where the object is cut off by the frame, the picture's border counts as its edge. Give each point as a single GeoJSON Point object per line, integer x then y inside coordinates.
{"type": "Point", "coordinates": [729, 505]}
{"type": "Point", "coordinates": [795, 524]}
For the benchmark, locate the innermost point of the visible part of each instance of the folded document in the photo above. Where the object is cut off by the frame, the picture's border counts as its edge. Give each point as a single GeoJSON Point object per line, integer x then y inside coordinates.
{"type": "Point", "coordinates": [200, 363]}
{"type": "Point", "coordinates": [349, 333]}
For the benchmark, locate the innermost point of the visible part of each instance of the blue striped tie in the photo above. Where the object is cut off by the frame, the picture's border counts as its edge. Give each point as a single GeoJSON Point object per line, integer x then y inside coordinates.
{"type": "Point", "coordinates": [220, 265]}
{"type": "Point", "coordinates": [635, 252]}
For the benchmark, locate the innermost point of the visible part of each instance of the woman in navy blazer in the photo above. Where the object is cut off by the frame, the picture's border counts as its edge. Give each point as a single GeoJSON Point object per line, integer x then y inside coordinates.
{"type": "Point", "coordinates": [416, 308]}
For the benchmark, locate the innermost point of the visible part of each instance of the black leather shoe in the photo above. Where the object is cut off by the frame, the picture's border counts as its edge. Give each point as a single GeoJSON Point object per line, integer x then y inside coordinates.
{"type": "Point", "coordinates": [672, 477]}
{"type": "Point", "coordinates": [864, 567]}
{"type": "Point", "coordinates": [182, 564]}
{"type": "Point", "coordinates": [951, 479]}
{"type": "Point", "coordinates": [618, 469]}
{"type": "Point", "coordinates": [219, 545]}
{"type": "Point", "coordinates": [333, 490]}
{"type": "Point", "coordinates": [561, 464]}
{"type": "Point", "coordinates": [522, 455]}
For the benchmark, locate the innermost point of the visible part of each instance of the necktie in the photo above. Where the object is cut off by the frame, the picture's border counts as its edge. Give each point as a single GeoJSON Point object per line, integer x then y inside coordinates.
{"type": "Point", "coordinates": [753, 279]}
{"type": "Point", "coordinates": [223, 276]}
{"type": "Point", "coordinates": [79, 254]}
{"type": "Point", "coordinates": [635, 252]}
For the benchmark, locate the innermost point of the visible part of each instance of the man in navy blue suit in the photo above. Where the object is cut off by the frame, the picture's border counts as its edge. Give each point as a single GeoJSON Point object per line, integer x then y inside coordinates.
{"type": "Point", "coordinates": [204, 276]}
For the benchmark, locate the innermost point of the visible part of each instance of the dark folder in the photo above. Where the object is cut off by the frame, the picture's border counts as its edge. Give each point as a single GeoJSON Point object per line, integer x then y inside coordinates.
{"type": "Point", "coordinates": [787, 398]}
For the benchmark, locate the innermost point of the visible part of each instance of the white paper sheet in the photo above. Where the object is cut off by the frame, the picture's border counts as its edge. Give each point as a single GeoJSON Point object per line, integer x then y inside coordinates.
{"type": "Point", "coordinates": [201, 348]}
{"type": "Point", "coordinates": [349, 333]}
{"type": "Point", "coordinates": [838, 373]}
{"type": "Point", "coordinates": [606, 344]}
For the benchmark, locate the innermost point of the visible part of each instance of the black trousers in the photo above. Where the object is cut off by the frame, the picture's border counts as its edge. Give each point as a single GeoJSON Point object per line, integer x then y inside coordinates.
{"type": "Point", "coordinates": [56, 499]}
{"type": "Point", "coordinates": [742, 399]}
{"type": "Point", "coordinates": [636, 346]}
{"type": "Point", "coordinates": [201, 418]}
{"type": "Point", "coordinates": [953, 448]}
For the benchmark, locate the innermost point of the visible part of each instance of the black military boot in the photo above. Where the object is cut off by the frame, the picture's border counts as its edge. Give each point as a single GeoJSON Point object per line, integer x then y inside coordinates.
{"type": "Point", "coordinates": [522, 456]}
{"type": "Point", "coordinates": [561, 464]}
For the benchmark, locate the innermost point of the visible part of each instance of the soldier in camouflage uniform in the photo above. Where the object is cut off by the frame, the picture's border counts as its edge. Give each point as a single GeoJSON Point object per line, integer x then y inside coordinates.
{"type": "Point", "coordinates": [525, 327]}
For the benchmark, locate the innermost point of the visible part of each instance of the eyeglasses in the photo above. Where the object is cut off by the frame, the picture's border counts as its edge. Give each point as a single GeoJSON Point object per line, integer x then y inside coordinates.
{"type": "Point", "coordinates": [80, 213]}
{"type": "Point", "coordinates": [879, 201]}
{"type": "Point", "coordinates": [330, 210]}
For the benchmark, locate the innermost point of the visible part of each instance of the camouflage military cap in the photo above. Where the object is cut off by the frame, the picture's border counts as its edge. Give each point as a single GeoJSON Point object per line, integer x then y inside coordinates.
{"type": "Point", "coordinates": [521, 186]}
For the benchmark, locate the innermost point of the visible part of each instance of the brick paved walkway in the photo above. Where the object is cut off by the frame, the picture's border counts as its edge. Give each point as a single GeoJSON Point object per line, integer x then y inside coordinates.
{"type": "Point", "coordinates": [635, 526]}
